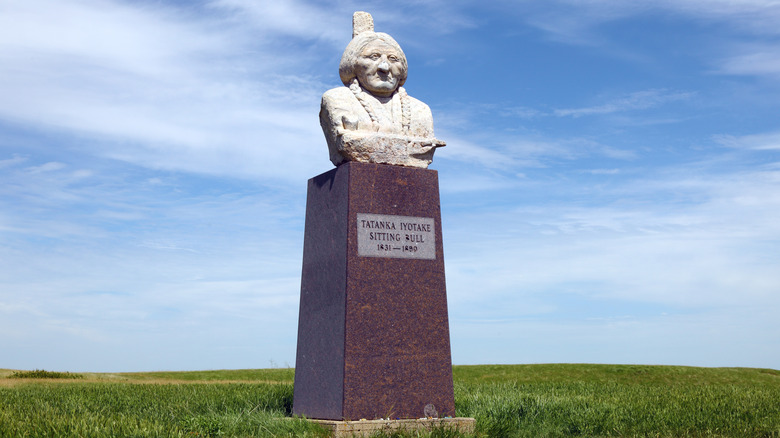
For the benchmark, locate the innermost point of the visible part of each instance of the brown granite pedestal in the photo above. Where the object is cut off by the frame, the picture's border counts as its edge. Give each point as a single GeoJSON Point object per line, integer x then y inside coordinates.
{"type": "Point", "coordinates": [373, 334]}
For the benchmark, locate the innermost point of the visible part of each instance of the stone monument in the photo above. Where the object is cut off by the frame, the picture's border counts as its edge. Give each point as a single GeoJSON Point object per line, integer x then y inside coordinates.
{"type": "Point", "coordinates": [372, 119]}
{"type": "Point", "coordinates": [373, 331]}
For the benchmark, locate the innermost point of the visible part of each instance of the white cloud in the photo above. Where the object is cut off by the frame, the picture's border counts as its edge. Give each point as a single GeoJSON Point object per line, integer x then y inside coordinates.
{"type": "Point", "coordinates": [572, 20]}
{"type": "Point", "coordinates": [107, 35]}
{"type": "Point", "coordinates": [753, 61]}
{"type": "Point", "coordinates": [584, 23]}
{"type": "Point", "coordinates": [467, 151]}
{"type": "Point", "coordinates": [134, 269]}
{"type": "Point", "coordinates": [753, 16]}
{"type": "Point", "coordinates": [14, 160]}
{"type": "Point", "coordinates": [150, 85]}
{"type": "Point", "coordinates": [603, 171]}
{"type": "Point", "coordinates": [748, 334]}
{"type": "Point", "coordinates": [47, 167]}
{"type": "Point", "coordinates": [291, 18]}
{"type": "Point", "coordinates": [765, 141]}
{"type": "Point", "coordinates": [635, 101]}
{"type": "Point", "coordinates": [639, 244]}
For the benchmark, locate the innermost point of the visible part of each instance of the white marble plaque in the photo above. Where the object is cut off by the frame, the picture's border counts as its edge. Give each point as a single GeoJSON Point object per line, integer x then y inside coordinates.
{"type": "Point", "coordinates": [404, 237]}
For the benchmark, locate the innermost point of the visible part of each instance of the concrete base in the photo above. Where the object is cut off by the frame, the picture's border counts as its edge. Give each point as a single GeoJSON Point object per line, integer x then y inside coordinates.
{"type": "Point", "coordinates": [364, 428]}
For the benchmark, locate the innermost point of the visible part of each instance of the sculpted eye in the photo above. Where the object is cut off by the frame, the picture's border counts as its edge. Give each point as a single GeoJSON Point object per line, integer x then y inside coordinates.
{"type": "Point", "coordinates": [393, 58]}
{"type": "Point", "coordinates": [375, 56]}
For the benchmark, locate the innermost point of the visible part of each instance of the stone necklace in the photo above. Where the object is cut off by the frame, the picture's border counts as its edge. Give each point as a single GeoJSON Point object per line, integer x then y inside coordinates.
{"type": "Point", "coordinates": [406, 111]}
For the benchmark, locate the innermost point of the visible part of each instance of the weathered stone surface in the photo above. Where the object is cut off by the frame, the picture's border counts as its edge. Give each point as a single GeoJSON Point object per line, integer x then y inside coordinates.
{"type": "Point", "coordinates": [372, 427]}
{"type": "Point", "coordinates": [372, 119]}
{"type": "Point", "coordinates": [373, 337]}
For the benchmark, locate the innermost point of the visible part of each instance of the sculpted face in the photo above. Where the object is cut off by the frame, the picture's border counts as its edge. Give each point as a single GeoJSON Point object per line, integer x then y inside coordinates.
{"type": "Point", "coordinates": [379, 68]}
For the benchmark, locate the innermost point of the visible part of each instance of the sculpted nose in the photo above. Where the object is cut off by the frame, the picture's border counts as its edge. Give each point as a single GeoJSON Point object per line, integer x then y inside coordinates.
{"type": "Point", "coordinates": [383, 66]}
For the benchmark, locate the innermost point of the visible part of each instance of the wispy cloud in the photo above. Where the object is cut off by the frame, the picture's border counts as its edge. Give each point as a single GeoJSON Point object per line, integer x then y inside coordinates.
{"type": "Point", "coordinates": [753, 61]}
{"type": "Point", "coordinates": [588, 24]}
{"type": "Point", "coordinates": [675, 254]}
{"type": "Point", "coordinates": [16, 159]}
{"type": "Point", "coordinates": [655, 337]}
{"type": "Point", "coordinates": [753, 16]}
{"type": "Point", "coordinates": [109, 257]}
{"type": "Point", "coordinates": [634, 101]}
{"type": "Point", "coordinates": [765, 141]}
{"type": "Point", "coordinates": [574, 20]}
{"type": "Point", "coordinates": [157, 87]}
{"type": "Point", "coordinates": [288, 18]}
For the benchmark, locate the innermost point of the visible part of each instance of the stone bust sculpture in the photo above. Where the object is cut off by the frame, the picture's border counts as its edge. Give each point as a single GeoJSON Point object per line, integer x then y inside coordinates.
{"type": "Point", "coordinates": [372, 119]}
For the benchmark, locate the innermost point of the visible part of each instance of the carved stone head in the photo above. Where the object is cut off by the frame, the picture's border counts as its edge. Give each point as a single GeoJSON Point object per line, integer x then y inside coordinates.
{"type": "Point", "coordinates": [375, 59]}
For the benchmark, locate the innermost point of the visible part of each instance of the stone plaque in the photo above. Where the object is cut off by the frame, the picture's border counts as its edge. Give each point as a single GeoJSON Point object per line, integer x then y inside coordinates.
{"type": "Point", "coordinates": [404, 237]}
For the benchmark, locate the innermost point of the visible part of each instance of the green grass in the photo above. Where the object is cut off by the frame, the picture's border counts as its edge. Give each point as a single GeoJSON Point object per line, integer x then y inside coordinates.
{"type": "Point", "coordinates": [100, 409]}
{"type": "Point", "coordinates": [277, 375]}
{"type": "Point", "coordinates": [619, 400]}
{"type": "Point", "coordinates": [507, 400]}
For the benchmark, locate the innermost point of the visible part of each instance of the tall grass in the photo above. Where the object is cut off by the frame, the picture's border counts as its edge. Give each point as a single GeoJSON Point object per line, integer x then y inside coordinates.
{"type": "Point", "coordinates": [507, 401]}
{"type": "Point", "coordinates": [43, 374]}
{"type": "Point", "coordinates": [614, 409]}
{"type": "Point", "coordinates": [168, 410]}
{"type": "Point", "coordinates": [285, 375]}
{"type": "Point", "coordinates": [619, 400]}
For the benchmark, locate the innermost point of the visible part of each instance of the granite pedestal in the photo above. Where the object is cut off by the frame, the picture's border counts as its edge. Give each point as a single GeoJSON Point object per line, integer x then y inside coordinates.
{"type": "Point", "coordinates": [373, 333]}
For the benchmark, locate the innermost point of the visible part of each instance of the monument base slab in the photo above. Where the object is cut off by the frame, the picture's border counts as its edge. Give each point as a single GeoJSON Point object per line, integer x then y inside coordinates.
{"type": "Point", "coordinates": [370, 427]}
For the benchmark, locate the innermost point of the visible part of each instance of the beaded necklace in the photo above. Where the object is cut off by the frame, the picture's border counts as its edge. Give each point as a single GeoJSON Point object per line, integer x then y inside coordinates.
{"type": "Point", "coordinates": [406, 111]}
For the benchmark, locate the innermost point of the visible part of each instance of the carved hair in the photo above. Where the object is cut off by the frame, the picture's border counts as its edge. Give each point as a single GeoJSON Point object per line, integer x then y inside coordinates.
{"type": "Point", "coordinates": [355, 48]}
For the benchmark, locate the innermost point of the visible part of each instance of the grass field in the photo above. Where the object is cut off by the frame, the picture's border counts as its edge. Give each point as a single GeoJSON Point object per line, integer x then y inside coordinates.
{"type": "Point", "coordinates": [507, 401]}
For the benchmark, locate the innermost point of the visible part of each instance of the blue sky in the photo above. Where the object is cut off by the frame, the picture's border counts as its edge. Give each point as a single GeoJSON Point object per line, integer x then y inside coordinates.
{"type": "Point", "coordinates": [610, 189]}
